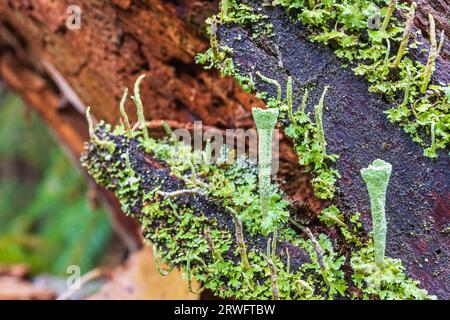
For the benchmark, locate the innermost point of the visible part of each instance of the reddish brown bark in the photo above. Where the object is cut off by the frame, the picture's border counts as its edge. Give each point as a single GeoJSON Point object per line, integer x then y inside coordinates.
{"type": "Point", "coordinates": [118, 41]}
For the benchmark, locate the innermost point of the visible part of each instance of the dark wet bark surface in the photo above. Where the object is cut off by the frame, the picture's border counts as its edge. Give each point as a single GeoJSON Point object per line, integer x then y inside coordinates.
{"type": "Point", "coordinates": [418, 207]}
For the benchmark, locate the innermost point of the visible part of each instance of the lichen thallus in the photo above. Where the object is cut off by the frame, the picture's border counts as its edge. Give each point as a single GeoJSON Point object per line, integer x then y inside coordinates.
{"type": "Point", "coordinates": [376, 177]}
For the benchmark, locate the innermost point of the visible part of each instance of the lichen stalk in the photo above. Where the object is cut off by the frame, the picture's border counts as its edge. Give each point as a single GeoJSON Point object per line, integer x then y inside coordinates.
{"type": "Point", "coordinates": [318, 111]}
{"type": "Point", "coordinates": [272, 82]}
{"type": "Point", "coordinates": [161, 271]}
{"type": "Point", "coordinates": [189, 275]}
{"type": "Point", "coordinates": [140, 108]}
{"type": "Point", "coordinates": [406, 35]}
{"type": "Point", "coordinates": [212, 247]}
{"type": "Point", "coordinates": [274, 243]}
{"type": "Point", "coordinates": [432, 55]}
{"type": "Point", "coordinates": [125, 120]}
{"type": "Point", "coordinates": [91, 127]}
{"type": "Point", "coordinates": [179, 193]}
{"type": "Point", "coordinates": [240, 238]}
{"type": "Point", "coordinates": [407, 89]}
{"type": "Point", "coordinates": [432, 152]}
{"type": "Point", "coordinates": [224, 7]}
{"type": "Point", "coordinates": [317, 247]}
{"type": "Point", "coordinates": [389, 13]}
{"type": "Point", "coordinates": [289, 99]}
{"type": "Point", "coordinates": [304, 101]}
{"type": "Point", "coordinates": [265, 121]}
{"type": "Point", "coordinates": [274, 279]}
{"type": "Point", "coordinates": [213, 41]}
{"type": "Point", "coordinates": [376, 177]}
{"type": "Point", "coordinates": [168, 130]}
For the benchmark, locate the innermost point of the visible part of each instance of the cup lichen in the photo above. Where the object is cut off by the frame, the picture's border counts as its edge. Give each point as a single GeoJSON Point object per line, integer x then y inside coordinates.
{"type": "Point", "coordinates": [376, 177]}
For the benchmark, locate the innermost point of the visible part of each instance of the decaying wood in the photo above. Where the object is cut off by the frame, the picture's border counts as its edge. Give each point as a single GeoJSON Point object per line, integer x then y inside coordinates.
{"type": "Point", "coordinates": [120, 40]}
{"type": "Point", "coordinates": [358, 131]}
{"type": "Point", "coordinates": [58, 72]}
{"type": "Point", "coordinates": [156, 175]}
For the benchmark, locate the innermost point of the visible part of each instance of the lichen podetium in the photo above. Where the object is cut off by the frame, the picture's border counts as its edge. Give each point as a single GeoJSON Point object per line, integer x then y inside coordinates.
{"type": "Point", "coordinates": [343, 25]}
{"type": "Point", "coordinates": [376, 176]}
{"type": "Point", "coordinates": [265, 121]}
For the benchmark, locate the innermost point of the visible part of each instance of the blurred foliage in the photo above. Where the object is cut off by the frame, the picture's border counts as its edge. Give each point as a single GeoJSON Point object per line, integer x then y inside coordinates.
{"type": "Point", "coordinates": [45, 220]}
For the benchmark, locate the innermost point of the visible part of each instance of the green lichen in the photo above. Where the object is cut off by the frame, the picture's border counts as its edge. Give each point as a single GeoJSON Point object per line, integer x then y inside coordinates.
{"type": "Point", "coordinates": [318, 111]}
{"type": "Point", "coordinates": [406, 35]}
{"type": "Point", "coordinates": [376, 176]}
{"type": "Point", "coordinates": [391, 74]}
{"type": "Point", "coordinates": [389, 12]}
{"type": "Point", "coordinates": [307, 142]}
{"type": "Point", "coordinates": [387, 281]}
{"type": "Point", "coordinates": [265, 121]}
{"type": "Point", "coordinates": [432, 55]}
{"type": "Point", "coordinates": [344, 26]}
{"type": "Point", "coordinates": [178, 232]}
{"type": "Point", "coordinates": [310, 145]}
{"type": "Point", "coordinates": [196, 242]}
{"type": "Point", "coordinates": [140, 108]}
{"type": "Point", "coordinates": [124, 119]}
{"type": "Point", "coordinates": [240, 239]}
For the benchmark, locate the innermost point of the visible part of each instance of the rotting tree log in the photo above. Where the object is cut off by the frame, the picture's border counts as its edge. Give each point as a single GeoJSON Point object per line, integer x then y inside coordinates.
{"type": "Point", "coordinates": [358, 131]}
{"type": "Point", "coordinates": [59, 71]}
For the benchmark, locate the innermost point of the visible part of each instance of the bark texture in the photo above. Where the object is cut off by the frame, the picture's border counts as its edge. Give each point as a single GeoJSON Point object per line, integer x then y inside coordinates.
{"type": "Point", "coordinates": [58, 72]}
{"type": "Point", "coordinates": [418, 209]}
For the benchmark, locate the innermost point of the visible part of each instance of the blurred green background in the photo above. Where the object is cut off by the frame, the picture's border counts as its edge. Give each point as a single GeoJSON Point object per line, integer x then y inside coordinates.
{"type": "Point", "coordinates": [45, 219]}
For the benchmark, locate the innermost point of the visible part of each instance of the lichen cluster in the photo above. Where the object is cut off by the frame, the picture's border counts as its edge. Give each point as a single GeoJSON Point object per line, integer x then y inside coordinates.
{"type": "Point", "coordinates": [206, 218]}
{"type": "Point", "coordinates": [379, 52]}
{"type": "Point", "coordinates": [189, 233]}
{"type": "Point", "coordinates": [373, 274]}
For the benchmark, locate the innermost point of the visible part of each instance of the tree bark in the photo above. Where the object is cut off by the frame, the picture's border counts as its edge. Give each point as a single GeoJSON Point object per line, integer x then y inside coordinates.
{"type": "Point", "coordinates": [58, 71]}
{"type": "Point", "coordinates": [418, 208]}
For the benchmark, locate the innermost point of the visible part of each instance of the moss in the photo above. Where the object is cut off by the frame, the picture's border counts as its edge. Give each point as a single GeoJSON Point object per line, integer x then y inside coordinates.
{"type": "Point", "coordinates": [244, 14]}
{"type": "Point", "coordinates": [310, 145]}
{"type": "Point", "coordinates": [177, 229]}
{"type": "Point", "coordinates": [392, 74]}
